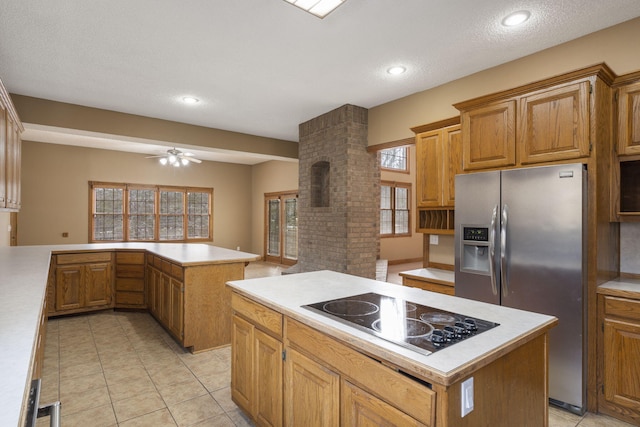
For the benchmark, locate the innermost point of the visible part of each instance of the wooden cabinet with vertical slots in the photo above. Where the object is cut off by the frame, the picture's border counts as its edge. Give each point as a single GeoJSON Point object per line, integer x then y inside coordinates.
{"type": "Point", "coordinates": [130, 280]}
{"type": "Point", "coordinates": [83, 282]}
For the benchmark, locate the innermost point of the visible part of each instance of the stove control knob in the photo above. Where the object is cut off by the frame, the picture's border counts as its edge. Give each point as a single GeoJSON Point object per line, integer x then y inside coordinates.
{"type": "Point", "coordinates": [437, 338]}
{"type": "Point", "coordinates": [470, 324]}
{"type": "Point", "coordinates": [450, 333]}
{"type": "Point", "coordinates": [460, 329]}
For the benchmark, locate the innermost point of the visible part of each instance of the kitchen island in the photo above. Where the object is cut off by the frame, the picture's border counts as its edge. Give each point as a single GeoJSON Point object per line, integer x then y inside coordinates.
{"type": "Point", "coordinates": [334, 373]}
{"type": "Point", "coordinates": [25, 272]}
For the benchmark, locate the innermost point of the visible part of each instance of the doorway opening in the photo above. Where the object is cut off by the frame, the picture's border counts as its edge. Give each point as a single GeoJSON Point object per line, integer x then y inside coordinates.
{"type": "Point", "coordinates": [281, 227]}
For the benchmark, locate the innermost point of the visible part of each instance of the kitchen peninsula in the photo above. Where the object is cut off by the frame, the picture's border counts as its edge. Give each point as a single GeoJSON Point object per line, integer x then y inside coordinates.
{"type": "Point", "coordinates": [23, 285]}
{"type": "Point", "coordinates": [333, 371]}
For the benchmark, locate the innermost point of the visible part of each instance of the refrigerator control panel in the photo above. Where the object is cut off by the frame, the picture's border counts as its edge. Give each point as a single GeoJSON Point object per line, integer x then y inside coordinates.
{"type": "Point", "coordinates": [476, 234]}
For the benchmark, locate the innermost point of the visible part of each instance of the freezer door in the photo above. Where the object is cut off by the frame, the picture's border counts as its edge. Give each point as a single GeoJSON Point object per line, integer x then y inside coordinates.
{"type": "Point", "coordinates": [477, 197]}
{"type": "Point", "coordinates": [542, 217]}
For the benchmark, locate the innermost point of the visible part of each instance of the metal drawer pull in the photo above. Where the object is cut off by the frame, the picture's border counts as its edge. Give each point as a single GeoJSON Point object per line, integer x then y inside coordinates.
{"type": "Point", "coordinates": [52, 410]}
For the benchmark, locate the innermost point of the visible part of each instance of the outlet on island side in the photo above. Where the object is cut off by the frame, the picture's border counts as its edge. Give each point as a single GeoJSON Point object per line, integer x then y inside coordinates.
{"type": "Point", "coordinates": [466, 396]}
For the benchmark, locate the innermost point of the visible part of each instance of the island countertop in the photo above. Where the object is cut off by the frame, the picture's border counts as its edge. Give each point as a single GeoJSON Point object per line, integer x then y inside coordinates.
{"type": "Point", "coordinates": [287, 294]}
{"type": "Point", "coordinates": [435, 275]}
{"type": "Point", "coordinates": [23, 284]}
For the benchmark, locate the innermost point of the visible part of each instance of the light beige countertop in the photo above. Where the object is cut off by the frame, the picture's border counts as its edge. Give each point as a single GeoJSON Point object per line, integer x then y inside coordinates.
{"type": "Point", "coordinates": [621, 287]}
{"type": "Point", "coordinates": [286, 294]}
{"type": "Point", "coordinates": [23, 283]}
{"type": "Point", "coordinates": [434, 275]}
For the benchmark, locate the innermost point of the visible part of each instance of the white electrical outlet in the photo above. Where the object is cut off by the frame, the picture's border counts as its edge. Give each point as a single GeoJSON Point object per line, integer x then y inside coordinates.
{"type": "Point", "coordinates": [433, 239]}
{"type": "Point", "coordinates": [466, 396]}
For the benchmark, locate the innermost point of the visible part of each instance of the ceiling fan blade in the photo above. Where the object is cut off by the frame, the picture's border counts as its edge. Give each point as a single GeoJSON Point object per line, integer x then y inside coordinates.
{"type": "Point", "coordinates": [153, 157]}
{"type": "Point", "coordinates": [193, 159]}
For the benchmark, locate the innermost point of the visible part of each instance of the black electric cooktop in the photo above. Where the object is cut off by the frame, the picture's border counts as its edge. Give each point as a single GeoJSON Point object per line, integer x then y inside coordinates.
{"type": "Point", "coordinates": [415, 326]}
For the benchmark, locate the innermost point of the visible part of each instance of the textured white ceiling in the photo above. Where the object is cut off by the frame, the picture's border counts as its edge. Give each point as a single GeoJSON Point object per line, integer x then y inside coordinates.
{"type": "Point", "coordinates": [264, 66]}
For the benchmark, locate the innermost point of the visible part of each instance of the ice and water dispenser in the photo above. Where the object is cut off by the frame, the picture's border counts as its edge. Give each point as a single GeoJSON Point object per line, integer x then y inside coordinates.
{"type": "Point", "coordinates": [474, 257]}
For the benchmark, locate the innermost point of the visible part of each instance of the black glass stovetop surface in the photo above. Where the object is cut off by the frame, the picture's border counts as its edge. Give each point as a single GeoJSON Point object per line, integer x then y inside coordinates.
{"type": "Point", "coordinates": [415, 326]}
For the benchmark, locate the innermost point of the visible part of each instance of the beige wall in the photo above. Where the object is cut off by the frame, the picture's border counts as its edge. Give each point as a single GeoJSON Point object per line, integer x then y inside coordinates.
{"type": "Point", "coordinates": [403, 248]}
{"type": "Point", "coordinates": [616, 46]}
{"type": "Point", "coordinates": [55, 191]}
{"type": "Point", "coordinates": [268, 177]}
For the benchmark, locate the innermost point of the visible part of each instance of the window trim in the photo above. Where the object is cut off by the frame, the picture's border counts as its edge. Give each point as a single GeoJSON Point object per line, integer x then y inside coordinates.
{"type": "Point", "coordinates": [157, 189]}
{"type": "Point", "coordinates": [407, 171]}
{"type": "Point", "coordinates": [394, 185]}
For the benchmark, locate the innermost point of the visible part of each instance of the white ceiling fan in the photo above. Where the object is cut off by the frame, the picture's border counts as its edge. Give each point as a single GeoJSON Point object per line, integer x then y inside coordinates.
{"type": "Point", "coordinates": [175, 157]}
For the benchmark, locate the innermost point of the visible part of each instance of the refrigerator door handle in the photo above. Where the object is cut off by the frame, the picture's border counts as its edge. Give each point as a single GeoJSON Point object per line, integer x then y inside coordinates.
{"type": "Point", "coordinates": [492, 250]}
{"type": "Point", "coordinates": [503, 251]}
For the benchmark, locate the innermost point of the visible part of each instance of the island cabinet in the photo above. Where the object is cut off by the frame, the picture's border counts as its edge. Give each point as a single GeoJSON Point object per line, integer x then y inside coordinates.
{"type": "Point", "coordinates": [166, 291]}
{"type": "Point", "coordinates": [81, 282]}
{"type": "Point", "coordinates": [130, 283]}
{"type": "Point", "coordinates": [619, 390]}
{"type": "Point", "coordinates": [554, 120]}
{"type": "Point", "coordinates": [256, 351]}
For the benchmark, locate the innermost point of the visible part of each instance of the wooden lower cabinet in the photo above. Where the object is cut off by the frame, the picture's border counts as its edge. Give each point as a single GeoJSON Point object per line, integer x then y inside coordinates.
{"type": "Point", "coordinates": [312, 393]}
{"type": "Point", "coordinates": [257, 366]}
{"type": "Point", "coordinates": [82, 282]}
{"type": "Point", "coordinates": [166, 297]}
{"type": "Point", "coordinates": [429, 286]}
{"type": "Point", "coordinates": [130, 280]}
{"type": "Point", "coordinates": [619, 393]}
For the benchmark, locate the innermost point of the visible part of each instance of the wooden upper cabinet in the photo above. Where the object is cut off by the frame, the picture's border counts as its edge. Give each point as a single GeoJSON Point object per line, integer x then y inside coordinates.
{"type": "Point", "coordinates": [629, 119]}
{"type": "Point", "coordinates": [438, 160]}
{"type": "Point", "coordinates": [429, 169]}
{"type": "Point", "coordinates": [554, 124]}
{"type": "Point", "coordinates": [453, 162]}
{"type": "Point", "coordinates": [489, 136]}
{"type": "Point", "coordinates": [10, 153]}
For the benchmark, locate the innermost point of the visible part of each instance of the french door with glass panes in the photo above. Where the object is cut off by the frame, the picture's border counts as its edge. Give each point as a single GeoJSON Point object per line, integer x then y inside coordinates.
{"type": "Point", "coordinates": [281, 227]}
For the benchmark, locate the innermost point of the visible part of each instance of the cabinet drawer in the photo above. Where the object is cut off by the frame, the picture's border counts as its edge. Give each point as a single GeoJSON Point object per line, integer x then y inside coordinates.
{"type": "Point", "coordinates": [83, 257]}
{"type": "Point", "coordinates": [130, 257]}
{"type": "Point", "coordinates": [409, 396]}
{"type": "Point", "coordinates": [130, 270]}
{"type": "Point", "coordinates": [129, 284]}
{"type": "Point", "coordinates": [428, 286]}
{"type": "Point", "coordinates": [157, 262]}
{"type": "Point", "coordinates": [130, 298]}
{"type": "Point", "coordinates": [622, 307]}
{"type": "Point", "coordinates": [259, 314]}
{"type": "Point", "coordinates": [176, 272]}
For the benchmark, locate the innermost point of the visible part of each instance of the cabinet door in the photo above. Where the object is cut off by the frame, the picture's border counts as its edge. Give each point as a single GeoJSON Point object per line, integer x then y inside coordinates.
{"type": "Point", "coordinates": [176, 314]}
{"type": "Point", "coordinates": [489, 136]}
{"type": "Point", "coordinates": [361, 409]}
{"type": "Point", "coordinates": [98, 284]}
{"type": "Point", "coordinates": [70, 287]}
{"type": "Point", "coordinates": [268, 379]}
{"type": "Point", "coordinates": [242, 390]}
{"type": "Point", "coordinates": [452, 147]}
{"type": "Point", "coordinates": [311, 393]}
{"type": "Point", "coordinates": [621, 367]}
{"type": "Point", "coordinates": [165, 299]}
{"type": "Point", "coordinates": [429, 169]}
{"type": "Point", "coordinates": [629, 119]}
{"type": "Point", "coordinates": [554, 124]}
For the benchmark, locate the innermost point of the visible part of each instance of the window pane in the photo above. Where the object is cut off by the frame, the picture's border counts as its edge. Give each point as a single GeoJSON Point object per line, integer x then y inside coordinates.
{"type": "Point", "coordinates": [402, 198]}
{"type": "Point", "coordinates": [402, 222]}
{"type": "Point", "coordinates": [107, 217]}
{"type": "Point", "coordinates": [394, 158]}
{"type": "Point", "coordinates": [198, 215]}
{"type": "Point", "coordinates": [273, 243]}
{"type": "Point", "coordinates": [291, 231]}
{"type": "Point", "coordinates": [141, 214]}
{"type": "Point", "coordinates": [385, 221]}
{"type": "Point", "coordinates": [385, 197]}
{"type": "Point", "coordinates": [171, 215]}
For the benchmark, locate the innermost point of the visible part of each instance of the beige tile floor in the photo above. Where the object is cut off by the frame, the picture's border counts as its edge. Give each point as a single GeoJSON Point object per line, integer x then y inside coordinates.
{"type": "Point", "coordinates": [122, 369]}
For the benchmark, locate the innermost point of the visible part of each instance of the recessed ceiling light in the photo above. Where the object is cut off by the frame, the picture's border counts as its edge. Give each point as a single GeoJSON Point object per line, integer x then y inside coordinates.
{"type": "Point", "coordinates": [516, 18]}
{"type": "Point", "coordinates": [190, 100]}
{"type": "Point", "coordinates": [396, 70]}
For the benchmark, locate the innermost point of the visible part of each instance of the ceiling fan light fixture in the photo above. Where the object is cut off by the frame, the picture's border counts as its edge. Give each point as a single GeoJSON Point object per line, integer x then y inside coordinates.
{"type": "Point", "coordinates": [184, 161]}
{"type": "Point", "coordinates": [163, 160]}
{"type": "Point", "coordinates": [319, 8]}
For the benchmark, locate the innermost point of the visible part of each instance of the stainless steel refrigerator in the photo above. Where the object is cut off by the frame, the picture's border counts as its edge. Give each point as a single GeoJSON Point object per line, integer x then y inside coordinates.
{"type": "Point", "coordinates": [520, 242]}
